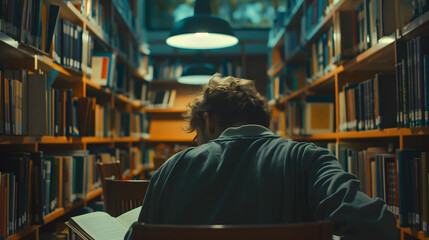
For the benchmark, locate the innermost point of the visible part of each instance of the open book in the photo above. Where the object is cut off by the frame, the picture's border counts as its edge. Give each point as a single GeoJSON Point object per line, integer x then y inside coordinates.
{"type": "Point", "coordinates": [100, 225]}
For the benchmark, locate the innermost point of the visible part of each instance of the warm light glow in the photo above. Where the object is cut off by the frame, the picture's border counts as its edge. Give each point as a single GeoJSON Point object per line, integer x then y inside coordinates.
{"type": "Point", "coordinates": [195, 79]}
{"type": "Point", "coordinates": [202, 34]}
{"type": "Point", "coordinates": [386, 40]}
{"type": "Point", "coordinates": [195, 41]}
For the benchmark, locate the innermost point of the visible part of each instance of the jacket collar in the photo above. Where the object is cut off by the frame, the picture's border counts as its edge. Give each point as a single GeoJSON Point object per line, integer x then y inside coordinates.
{"type": "Point", "coordinates": [246, 131]}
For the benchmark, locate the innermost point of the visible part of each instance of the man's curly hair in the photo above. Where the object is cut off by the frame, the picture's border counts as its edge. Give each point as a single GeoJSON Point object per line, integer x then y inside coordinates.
{"type": "Point", "coordinates": [232, 101]}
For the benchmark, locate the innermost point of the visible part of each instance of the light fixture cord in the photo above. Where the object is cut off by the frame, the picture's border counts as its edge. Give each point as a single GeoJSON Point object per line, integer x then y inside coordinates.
{"type": "Point", "coordinates": [202, 7]}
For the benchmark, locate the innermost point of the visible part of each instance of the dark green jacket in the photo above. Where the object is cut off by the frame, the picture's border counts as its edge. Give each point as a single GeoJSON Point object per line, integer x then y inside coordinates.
{"type": "Point", "coordinates": [251, 176]}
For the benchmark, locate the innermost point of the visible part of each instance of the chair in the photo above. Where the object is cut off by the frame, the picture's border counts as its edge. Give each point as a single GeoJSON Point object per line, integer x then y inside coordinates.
{"type": "Point", "coordinates": [124, 195]}
{"type": "Point", "coordinates": [109, 170]}
{"type": "Point", "coordinates": [315, 231]}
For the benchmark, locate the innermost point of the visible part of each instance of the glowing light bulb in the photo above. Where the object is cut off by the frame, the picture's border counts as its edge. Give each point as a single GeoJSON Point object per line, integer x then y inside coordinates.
{"type": "Point", "coordinates": [202, 34]}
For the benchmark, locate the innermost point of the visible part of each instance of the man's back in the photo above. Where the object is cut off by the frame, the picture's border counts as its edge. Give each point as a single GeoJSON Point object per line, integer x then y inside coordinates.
{"type": "Point", "coordinates": [250, 176]}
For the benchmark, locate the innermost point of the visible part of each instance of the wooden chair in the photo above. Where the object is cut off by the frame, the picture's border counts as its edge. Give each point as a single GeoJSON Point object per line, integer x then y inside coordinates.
{"type": "Point", "coordinates": [315, 231]}
{"type": "Point", "coordinates": [124, 195]}
{"type": "Point", "coordinates": [109, 170]}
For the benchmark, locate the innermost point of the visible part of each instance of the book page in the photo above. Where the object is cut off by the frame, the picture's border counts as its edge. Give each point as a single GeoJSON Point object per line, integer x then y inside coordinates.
{"type": "Point", "coordinates": [101, 225]}
{"type": "Point", "coordinates": [128, 218]}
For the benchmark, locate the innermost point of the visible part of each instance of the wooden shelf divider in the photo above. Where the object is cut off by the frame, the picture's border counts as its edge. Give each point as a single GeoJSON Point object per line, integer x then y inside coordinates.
{"type": "Point", "coordinates": [24, 232]}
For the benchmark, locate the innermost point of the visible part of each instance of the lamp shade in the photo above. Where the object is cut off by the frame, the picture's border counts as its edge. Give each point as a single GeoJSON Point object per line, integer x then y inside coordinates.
{"type": "Point", "coordinates": [197, 74]}
{"type": "Point", "coordinates": [202, 31]}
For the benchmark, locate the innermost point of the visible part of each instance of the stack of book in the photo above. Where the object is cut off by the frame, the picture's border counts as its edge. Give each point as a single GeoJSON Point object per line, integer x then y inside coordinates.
{"type": "Point", "coordinates": [368, 104]}
{"type": "Point", "coordinates": [323, 56]}
{"type": "Point", "coordinates": [33, 185]}
{"type": "Point", "coordinates": [412, 81]}
{"type": "Point", "coordinates": [30, 22]}
{"type": "Point", "coordinates": [162, 98]}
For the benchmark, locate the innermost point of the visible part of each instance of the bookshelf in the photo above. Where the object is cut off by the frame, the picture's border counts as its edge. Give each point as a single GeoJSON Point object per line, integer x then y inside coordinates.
{"type": "Point", "coordinates": [351, 68]}
{"type": "Point", "coordinates": [99, 25]}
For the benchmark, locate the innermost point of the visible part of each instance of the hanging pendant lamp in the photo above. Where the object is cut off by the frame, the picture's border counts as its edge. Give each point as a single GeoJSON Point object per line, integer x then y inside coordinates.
{"type": "Point", "coordinates": [202, 31]}
{"type": "Point", "coordinates": [197, 74]}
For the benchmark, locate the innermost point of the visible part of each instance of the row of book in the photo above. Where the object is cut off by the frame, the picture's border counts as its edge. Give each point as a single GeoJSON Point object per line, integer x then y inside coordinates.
{"type": "Point", "coordinates": [161, 98]}
{"type": "Point", "coordinates": [275, 88]}
{"type": "Point", "coordinates": [314, 115]}
{"type": "Point", "coordinates": [72, 46]}
{"type": "Point", "coordinates": [293, 41]}
{"type": "Point", "coordinates": [368, 105]}
{"type": "Point", "coordinates": [420, 7]}
{"type": "Point", "coordinates": [398, 177]}
{"type": "Point", "coordinates": [58, 112]}
{"type": "Point", "coordinates": [31, 22]}
{"type": "Point", "coordinates": [172, 70]}
{"type": "Point", "coordinates": [290, 79]}
{"type": "Point", "coordinates": [362, 28]}
{"type": "Point", "coordinates": [33, 185]}
{"type": "Point", "coordinates": [139, 92]}
{"type": "Point", "coordinates": [316, 11]}
{"type": "Point", "coordinates": [323, 55]}
{"type": "Point", "coordinates": [125, 124]}
{"type": "Point", "coordinates": [96, 12]}
{"type": "Point", "coordinates": [101, 120]}
{"type": "Point", "coordinates": [127, 13]}
{"type": "Point", "coordinates": [412, 81]}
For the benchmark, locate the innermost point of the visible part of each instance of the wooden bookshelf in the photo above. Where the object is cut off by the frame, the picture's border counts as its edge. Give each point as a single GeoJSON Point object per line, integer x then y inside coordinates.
{"type": "Point", "coordinates": [392, 132]}
{"type": "Point", "coordinates": [327, 136]}
{"type": "Point", "coordinates": [297, 56]}
{"type": "Point", "coordinates": [18, 55]}
{"type": "Point", "coordinates": [98, 32]}
{"type": "Point", "coordinates": [380, 57]}
{"type": "Point", "coordinates": [165, 110]}
{"type": "Point", "coordinates": [276, 69]}
{"type": "Point", "coordinates": [277, 40]}
{"type": "Point", "coordinates": [129, 29]}
{"type": "Point", "coordinates": [416, 26]}
{"type": "Point", "coordinates": [411, 232]}
{"type": "Point", "coordinates": [24, 233]}
{"type": "Point", "coordinates": [8, 140]}
{"type": "Point", "coordinates": [293, 16]}
{"type": "Point", "coordinates": [59, 212]}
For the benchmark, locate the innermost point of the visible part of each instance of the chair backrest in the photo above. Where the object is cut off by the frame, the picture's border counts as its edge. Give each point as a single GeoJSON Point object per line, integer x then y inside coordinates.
{"type": "Point", "coordinates": [107, 170]}
{"type": "Point", "coordinates": [124, 195]}
{"type": "Point", "coordinates": [321, 230]}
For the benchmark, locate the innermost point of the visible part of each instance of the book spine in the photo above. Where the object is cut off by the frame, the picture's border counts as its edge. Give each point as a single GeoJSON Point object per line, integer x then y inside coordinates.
{"type": "Point", "coordinates": [418, 81]}
{"type": "Point", "coordinates": [405, 115]}
{"type": "Point", "coordinates": [403, 190]}
{"type": "Point", "coordinates": [426, 88]}
{"type": "Point", "coordinates": [410, 72]}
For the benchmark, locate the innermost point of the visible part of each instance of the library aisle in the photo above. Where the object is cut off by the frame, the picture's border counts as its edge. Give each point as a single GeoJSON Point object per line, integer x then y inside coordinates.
{"type": "Point", "coordinates": [88, 81]}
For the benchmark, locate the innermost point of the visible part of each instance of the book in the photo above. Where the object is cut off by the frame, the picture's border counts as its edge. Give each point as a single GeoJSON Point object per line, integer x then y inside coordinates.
{"type": "Point", "coordinates": [384, 86]}
{"type": "Point", "coordinates": [426, 87]}
{"type": "Point", "coordinates": [37, 124]}
{"type": "Point", "coordinates": [100, 225]}
{"type": "Point", "coordinates": [103, 68]}
{"type": "Point", "coordinates": [37, 183]}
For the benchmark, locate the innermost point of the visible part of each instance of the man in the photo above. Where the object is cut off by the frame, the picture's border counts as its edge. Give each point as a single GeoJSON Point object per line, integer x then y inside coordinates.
{"type": "Point", "coordinates": [242, 173]}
